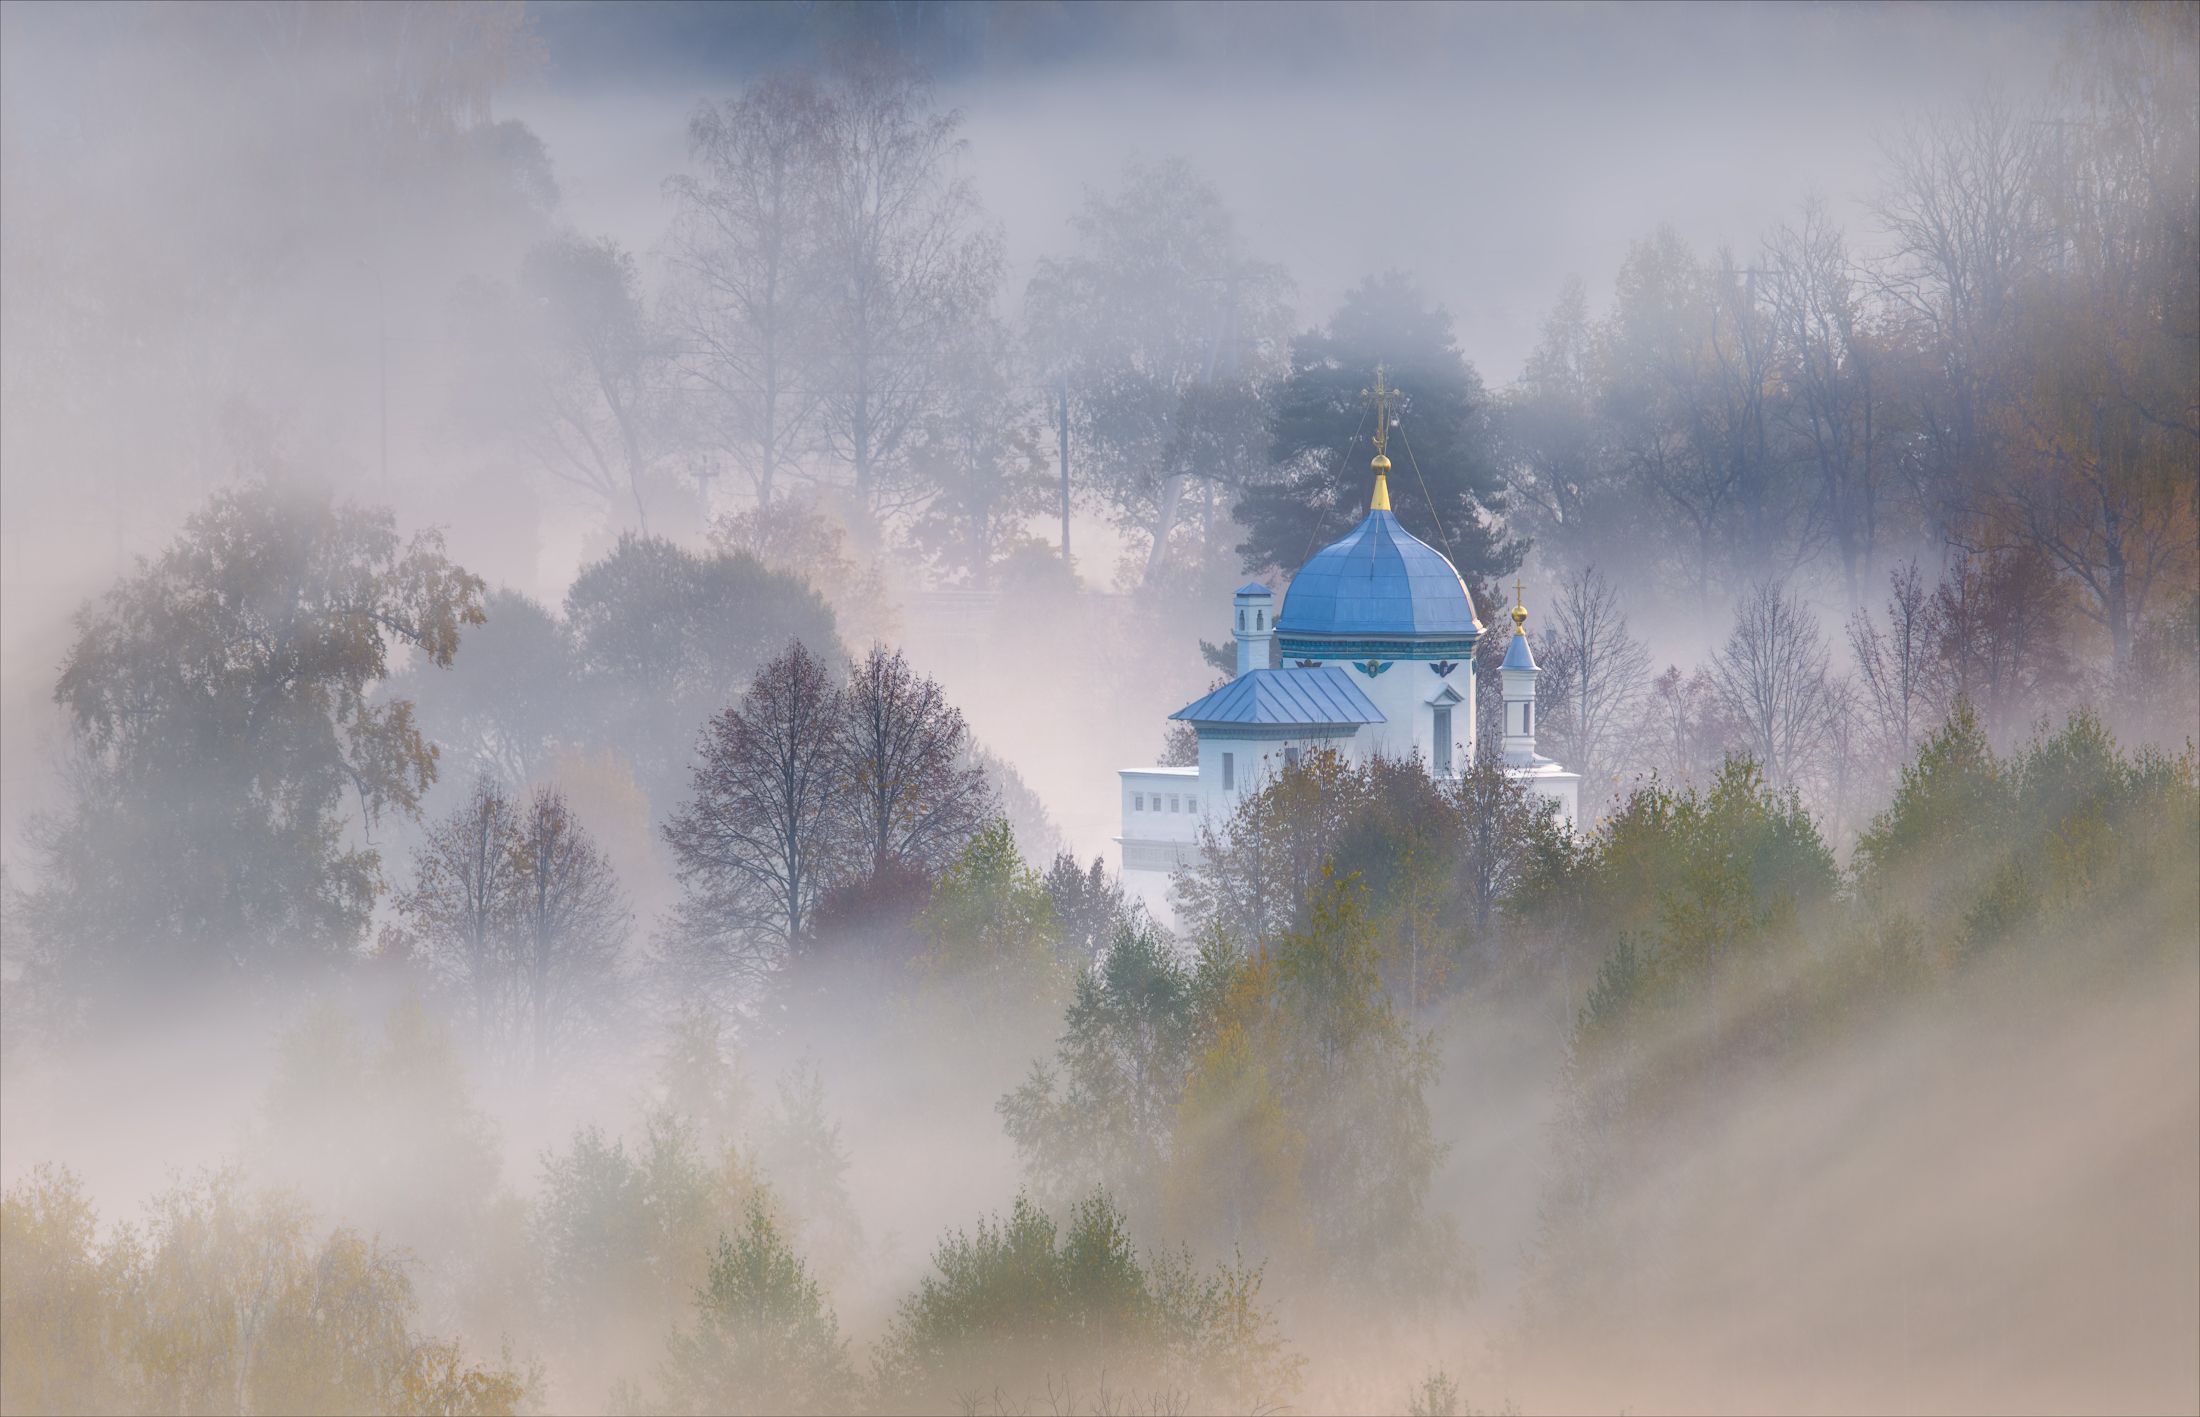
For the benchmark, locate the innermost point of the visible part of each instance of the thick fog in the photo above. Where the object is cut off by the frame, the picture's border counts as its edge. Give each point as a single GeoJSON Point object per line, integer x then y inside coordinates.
{"type": "Point", "coordinates": [1492, 153]}
{"type": "Point", "coordinates": [559, 816]}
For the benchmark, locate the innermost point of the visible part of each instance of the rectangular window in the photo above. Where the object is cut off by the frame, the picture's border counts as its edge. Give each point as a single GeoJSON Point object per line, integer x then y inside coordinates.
{"type": "Point", "coordinates": [1138, 801]}
{"type": "Point", "coordinates": [1290, 757]}
{"type": "Point", "coordinates": [1527, 717]}
{"type": "Point", "coordinates": [1229, 772]}
{"type": "Point", "coordinates": [1443, 739]}
{"type": "Point", "coordinates": [1172, 803]}
{"type": "Point", "coordinates": [1191, 804]}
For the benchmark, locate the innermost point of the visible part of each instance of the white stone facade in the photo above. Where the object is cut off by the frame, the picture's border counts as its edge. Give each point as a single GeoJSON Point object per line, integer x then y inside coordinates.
{"type": "Point", "coordinates": [1377, 646]}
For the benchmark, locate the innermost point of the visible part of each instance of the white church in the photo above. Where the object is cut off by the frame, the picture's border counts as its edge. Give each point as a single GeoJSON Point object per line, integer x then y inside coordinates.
{"type": "Point", "coordinates": [1377, 635]}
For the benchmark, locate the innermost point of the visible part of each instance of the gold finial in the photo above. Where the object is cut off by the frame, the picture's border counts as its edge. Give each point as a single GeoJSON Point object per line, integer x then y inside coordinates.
{"type": "Point", "coordinates": [1380, 501]}
{"type": "Point", "coordinates": [1520, 612]}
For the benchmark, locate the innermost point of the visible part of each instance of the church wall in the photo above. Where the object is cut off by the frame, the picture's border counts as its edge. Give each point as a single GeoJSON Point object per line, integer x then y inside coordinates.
{"type": "Point", "coordinates": [1157, 838]}
{"type": "Point", "coordinates": [1561, 787]}
{"type": "Point", "coordinates": [1402, 693]}
{"type": "Point", "coordinates": [1163, 804]}
{"type": "Point", "coordinates": [1254, 762]}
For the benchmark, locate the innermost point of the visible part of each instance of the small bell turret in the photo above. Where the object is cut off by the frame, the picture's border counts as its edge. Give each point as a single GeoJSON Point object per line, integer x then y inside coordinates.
{"type": "Point", "coordinates": [1519, 674]}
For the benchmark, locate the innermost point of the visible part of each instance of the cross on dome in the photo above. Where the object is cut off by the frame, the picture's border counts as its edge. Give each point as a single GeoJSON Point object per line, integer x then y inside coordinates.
{"type": "Point", "coordinates": [1379, 501]}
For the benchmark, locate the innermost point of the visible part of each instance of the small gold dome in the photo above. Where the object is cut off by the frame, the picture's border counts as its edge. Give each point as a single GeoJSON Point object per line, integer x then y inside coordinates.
{"type": "Point", "coordinates": [1520, 619]}
{"type": "Point", "coordinates": [1381, 463]}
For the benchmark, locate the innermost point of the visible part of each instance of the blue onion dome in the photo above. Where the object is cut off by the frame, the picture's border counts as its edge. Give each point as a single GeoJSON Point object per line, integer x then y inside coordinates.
{"type": "Point", "coordinates": [1517, 654]}
{"type": "Point", "coordinates": [1380, 580]}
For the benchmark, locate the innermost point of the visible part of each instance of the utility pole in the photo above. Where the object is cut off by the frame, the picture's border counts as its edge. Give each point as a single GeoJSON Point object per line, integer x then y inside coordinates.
{"type": "Point", "coordinates": [1062, 425]}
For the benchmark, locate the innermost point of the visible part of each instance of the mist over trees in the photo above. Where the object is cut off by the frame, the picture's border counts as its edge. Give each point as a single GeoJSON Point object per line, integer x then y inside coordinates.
{"type": "Point", "coordinates": [1446, 420]}
{"type": "Point", "coordinates": [231, 682]}
{"type": "Point", "coordinates": [602, 831]}
{"type": "Point", "coordinates": [753, 844]}
{"type": "Point", "coordinates": [1159, 334]}
{"type": "Point", "coordinates": [1814, 410]}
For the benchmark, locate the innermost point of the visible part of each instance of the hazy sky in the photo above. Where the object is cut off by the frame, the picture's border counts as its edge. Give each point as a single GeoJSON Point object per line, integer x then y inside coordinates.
{"type": "Point", "coordinates": [1492, 150]}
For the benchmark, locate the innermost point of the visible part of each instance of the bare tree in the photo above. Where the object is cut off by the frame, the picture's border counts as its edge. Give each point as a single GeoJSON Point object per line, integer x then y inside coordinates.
{"type": "Point", "coordinates": [1734, 411]}
{"type": "Point", "coordinates": [746, 292]}
{"type": "Point", "coordinates": [465, 876]}
{"type": "Point", "coordinates": [1686, 731]}
{"type": "Point", "coordinates": [904, 261]}
{"type": "Point", "coordinates": [910, 795]}
{"type": "Point", "coordinates": [1960, 208]}
{"type": "Point", "coordinates": [1895, 667]}
{"type": "Point", "coordinates": [2001, 630]}
{"type": "Point", "coordinates": [1960, 216]}
{"type": "Point", "coordinates": [1691, 347]}
{"type": "Point", "coordinates": [1774, 680]}
{"type": "Point", "coordinates": [2050, 268]}
{"type": "Point", "coordinates": [1607, 672]}
{"type": "Point", "coordinates": [571, 370]}
{"type": "Point", "coordinates": [752, 847]}
{"type": "Point", "coordinates": [1817, 305]}
{"type": "Point", "coordinates": [569, 923]}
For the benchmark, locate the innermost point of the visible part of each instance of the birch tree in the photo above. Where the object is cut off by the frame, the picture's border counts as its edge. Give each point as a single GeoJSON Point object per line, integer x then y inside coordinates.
{"type": "Point", "coordinates": [746, 295]}
{"type": "Point", "coordinates": [905, 265]}
{"type": "Point", "coordinates": [224, 710]}
{"type": "Point", "coordinates": [1774, 679]}
{"type": "Point", "coordinates": [1607, 674]}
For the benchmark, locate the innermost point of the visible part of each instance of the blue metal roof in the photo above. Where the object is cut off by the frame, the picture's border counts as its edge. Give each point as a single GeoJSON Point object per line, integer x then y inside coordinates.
{"type": "Point", "coordinates": [1379, 580]}
{"type": "Point", "coordinates": [1254, 588]}
{"type": "Point", "coordinates": [1518, 655]}
{"type": "Point", "coordinates": [1324, 696]}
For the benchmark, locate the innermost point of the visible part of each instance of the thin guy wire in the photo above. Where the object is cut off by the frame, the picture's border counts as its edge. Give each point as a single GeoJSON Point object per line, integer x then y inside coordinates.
{"type": "Point", "coordinates": [1415, 464]}
{"type": "Point", "coordinates": [1316, 530]}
